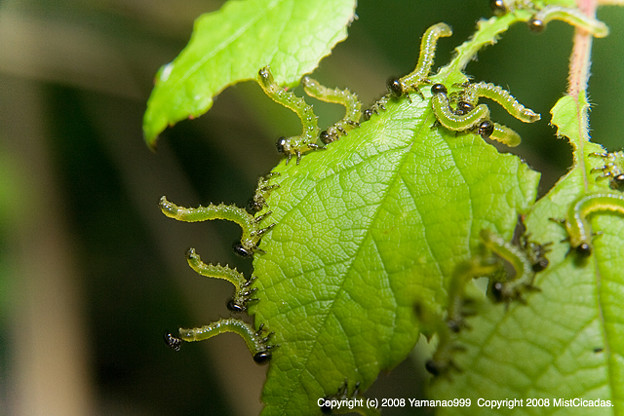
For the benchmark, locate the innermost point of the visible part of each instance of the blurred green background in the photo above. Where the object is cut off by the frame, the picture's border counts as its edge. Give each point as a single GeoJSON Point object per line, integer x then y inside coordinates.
{"type": "Point", "coordinates": [92, 274]}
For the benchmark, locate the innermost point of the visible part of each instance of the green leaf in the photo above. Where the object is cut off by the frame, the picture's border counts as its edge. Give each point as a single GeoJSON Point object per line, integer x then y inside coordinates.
{"type": "Point", "coordinates": [367, 229]}
{"type": "Point", "coordinates": [566, 342]}
{"type": "Point", "coordinates": [232, 44]}
{"type": "Point", "coordinates": [376, 224]}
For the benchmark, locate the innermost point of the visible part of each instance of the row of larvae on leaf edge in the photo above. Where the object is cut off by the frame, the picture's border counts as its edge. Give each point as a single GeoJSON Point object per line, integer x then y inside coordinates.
{"type": "Point", "coordinates": [306, 141]}
{"type": "Point", "coordinates": [459, 111]}
{"type": "Point", "coordinates": [466, 116]}
{"type": "Point", "coordinates": [247, 219]}
{"type": "Point", "coordinates": [258, 341]}
{"type": "Point", "coordinates": [458, 119]}
{"type": "Point", "coordinates": [298, 145]}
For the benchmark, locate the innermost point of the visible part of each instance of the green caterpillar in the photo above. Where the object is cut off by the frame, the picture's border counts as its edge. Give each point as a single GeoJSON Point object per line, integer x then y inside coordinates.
{"type": "Point", "coordinates": [472, 93]}
{"type": "Point", "coordinates": [257, 344]}
{"type": "Point", "coordinates": [451, 119]}
{"type": "Point", "coordinates": [576, 222]}
{"type": "Point", "coordinates": [251, 232]}
{"type": "Point", "coordinates": [572, 16]}
{"type": "Point", "coordinates": [428, 44]}
{"type": "Point", "coordinates": [296, 145]}
{"type": "Point", "coordinates": [242, 292]}
{"type": "Point", "coordinates": [552, 12]}
{"type": "Point", "coordinates": [524, 271]}
{"type": "Point", "coordinates": [468, 98]}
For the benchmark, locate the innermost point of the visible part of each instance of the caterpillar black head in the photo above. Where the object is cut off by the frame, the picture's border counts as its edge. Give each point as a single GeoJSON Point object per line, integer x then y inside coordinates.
{"type": "Point", "coordinates": [235, 306]}
{"type": "Point", "coordinates": [536, 25]}
{"type": "Point", "coordinates": [498, 7]}
{"type": "Point", "coordinates": [395, 87]}
{"type": "Point", "coordinates": [262, 357]}
{"type": "Point", "coordinates": [240, 250]}
{"type": "Point", "coordinates": [485, 129]}
{"type": "Point", "coordinates": [438, 89]}
{"type": "Point", "coordinates": [583, 250]}
{"type": "Point", "coordinates": [282, 145]}
{"type": "Point", "coordinates": [463, 108]}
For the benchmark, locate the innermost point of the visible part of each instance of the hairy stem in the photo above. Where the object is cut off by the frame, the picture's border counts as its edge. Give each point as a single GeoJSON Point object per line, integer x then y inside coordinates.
{"type": "Point", "coordinates": [580, 61]}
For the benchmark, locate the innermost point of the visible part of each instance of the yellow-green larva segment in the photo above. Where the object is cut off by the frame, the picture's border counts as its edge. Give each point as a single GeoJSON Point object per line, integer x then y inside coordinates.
{"type": "Point", "coordinates": [457, 122]}
{"type": "Point", "coordinates": [505, 135]}
{"type": "Point", "coordinates": [473, 92]}
{"type": "Point", "coordinates": [577, 224]}
{"type": "Point", "coordinates": [251, 233]}
{"type": "Point", "coordinates": [517, 259]}
{"type": "Point", "coordinates": [256, 343]}
{"type": "Point", "coordinates": [219, 272]}
{"type": "Point", "coordinates": [425, 60]}
{"type": "Point", "coordinates": [295, 145]}
{"type": "Point", "coordinates": [351, 102]}
{"type": "Point", "coordinates": [572, 16]}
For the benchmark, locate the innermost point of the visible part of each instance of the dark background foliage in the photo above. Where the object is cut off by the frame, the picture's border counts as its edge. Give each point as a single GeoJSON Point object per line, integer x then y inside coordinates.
{"type": "Point", "coordinates": [91, 274]}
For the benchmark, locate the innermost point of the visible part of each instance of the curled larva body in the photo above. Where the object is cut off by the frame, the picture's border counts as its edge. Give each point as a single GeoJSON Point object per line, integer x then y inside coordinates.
{"type": "Point", "coordinates": [425, 60]}
{"type": "Point", "coordinates": [295, 145]}
{"type": "Point", "coordinates": [449, 118]}
{"type": "Point", "coordinates": [251, 233]}
{"type": "Point", "coordinates": [215, 271]}
{"type": "Point", "coordinates": [257, 344]}
{"type": "Point", "coordinates": [473, 92]}
{"type": "Point", "coordinates": [577, 224]}
{"type": "Point", "coordinates": [517, 259]}
{"type": "Point", "coordinates": [572, 16]}
{"type": "Point", "coordinates": [351, 102]}
{"type": "Point", "coordinates": [242, 293]}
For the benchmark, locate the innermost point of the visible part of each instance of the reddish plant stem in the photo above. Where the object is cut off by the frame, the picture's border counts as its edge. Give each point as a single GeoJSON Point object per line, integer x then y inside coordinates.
{"type": "Point", "coordinates": [580, 60]}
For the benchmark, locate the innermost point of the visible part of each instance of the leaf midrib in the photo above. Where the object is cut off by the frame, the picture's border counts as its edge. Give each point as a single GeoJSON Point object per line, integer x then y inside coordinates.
{"type": "Point", "coordinates": [428, 116]}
